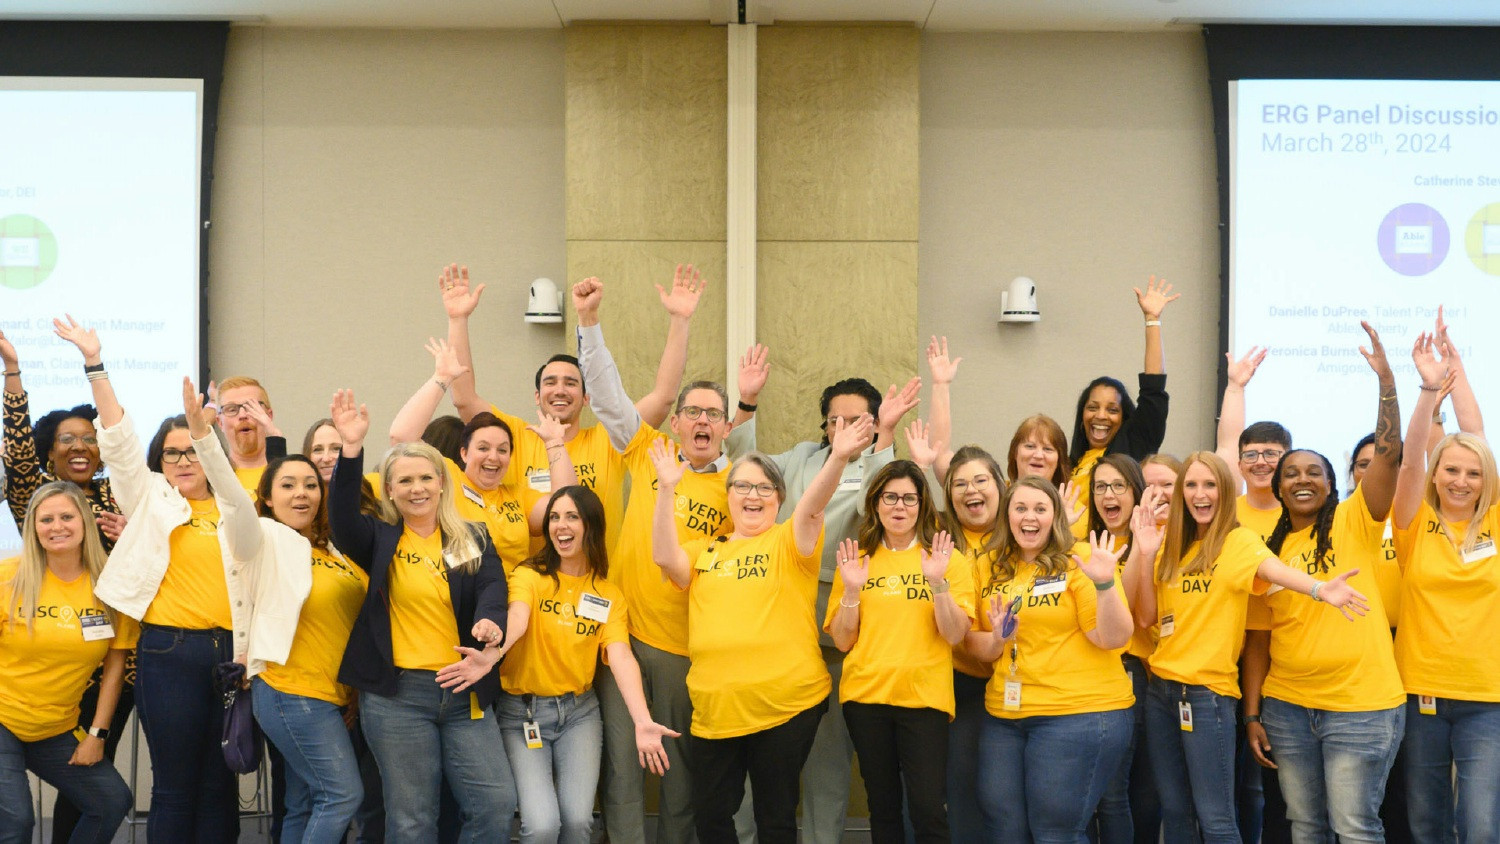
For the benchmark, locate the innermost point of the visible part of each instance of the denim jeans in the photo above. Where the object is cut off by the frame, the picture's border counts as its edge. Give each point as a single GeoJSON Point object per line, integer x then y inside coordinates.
{"type": "Point", "coordinates": [64, 814]}
{"type": "Point", "coordinates": [1041, 777]}
{"type": "Point", "coordinates": [965, 821]}
{"type": "Point", "coordinates": [97, 790]}
{"type": "Point", "coordinates": [323, 790]}
{"type": "Point", "coordinates": [194, 795]}
{"type": "Point", "coordinates": [422, 736]}
{"type": "Point", "coordinates": [1195, 773]}
{"type": "Point", "coordinates": [1130, 811]}
{"type": "Point", "coordinates": [556, 782]}
{"type": "Point", "coordinates": [1465, 734]}
{"type": "Point", "coordinates": [1332, 768]}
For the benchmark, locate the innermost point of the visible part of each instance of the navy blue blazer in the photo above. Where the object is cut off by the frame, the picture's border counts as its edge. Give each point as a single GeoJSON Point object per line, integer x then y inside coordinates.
{"type": "Point", "coordinates": [371, 543]}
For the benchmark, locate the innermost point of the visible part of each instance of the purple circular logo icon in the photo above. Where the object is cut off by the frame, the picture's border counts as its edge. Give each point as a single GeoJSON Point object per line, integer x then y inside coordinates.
{"type": "Point", "coordinates": [1413, 239]}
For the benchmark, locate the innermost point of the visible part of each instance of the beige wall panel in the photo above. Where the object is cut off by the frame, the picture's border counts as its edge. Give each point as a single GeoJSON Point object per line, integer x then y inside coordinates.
{"type": "Point", "coordinates": [354, 164]}
{"type": "Point", "coordinates": [1085, 161]}
{"type": "Point", "coordinates": [830, 311]}
{"type": "Point", "coordinates": [635, 324]}
{"type": "Point", "coordinates": [646, 141]}
{"type": "Point", "coordinates": [838, 132]}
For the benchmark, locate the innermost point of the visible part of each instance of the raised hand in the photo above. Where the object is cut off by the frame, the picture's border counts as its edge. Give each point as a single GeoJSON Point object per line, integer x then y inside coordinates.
{"type": "Point", "coordinates": [1156, 298]}
{"type": "Point", "coordinates": [459, 299]}
{"type": "Point", "coordinates": [935, 562]}
{"type": "Point", "coordinates": [648, 749]}
{"type": "Point", "coordinates": [1073, 508]}
{"type": "Point", "coordinates": [898, 403]}
{"type": "Point", "coordinates": [943, 368]}
{"type": "Point", "coordinates": [755, 367]}
{"type": "Point", "coordinates": [1146, 531]}
{"type": "Point", "coordinates": [854, 568]}
{"type": "Point", "coordinates": [923, 452]}
{"type": "Point", "coordinates": [669, 469]}
{"type": "Point", "coordinates": [687, 286]}
{"type": "Point", "coordinates": [200, 416]}
{"type": "Point", "coordinates": [848, 440]}
{"type": "Point", "coordinates": [350, 419]}
{"type": "Point", "coordinates": [258, 413]}
{"type": "Point", "coordinates": [1002, 620]}
{"type": "Point", "coordinates": [548, 428]}
{"type": "Point", "coordinates": [86, 339]}
{"type": "Point", "coordinates": [1104, 558]}
{"type": "Point", "coordinates": [1346, 599]}
{"type": "Point", "coordinates": [587, 296]}
{"type": "Point", "coordinates": [445, 363]}
{"type": "Point", "coordinates": [1241, 371]}
{"type": "Point", "coordinates": [1375, 355]}
{"type": "Point", "coordinates": [8, 354]}
{"type": "Point", "coordinates": [1431, 370]}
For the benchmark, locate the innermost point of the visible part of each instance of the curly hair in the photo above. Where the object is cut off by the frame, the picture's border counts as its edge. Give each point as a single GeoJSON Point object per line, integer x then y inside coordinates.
{"type": "Point", "coordinates": [44, 430]}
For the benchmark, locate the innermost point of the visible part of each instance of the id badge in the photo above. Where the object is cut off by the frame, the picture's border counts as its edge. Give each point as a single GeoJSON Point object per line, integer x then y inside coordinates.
{"type": "Point", "coordinates": [533, 733]}
{"type": "Point", "coordinates": [1013, 695]}
{"type": "Point", "coordinates": [1049, 585]}
{"type": "Point", "coordinates": [1427, 704]}
{"type": "Point", "coordinates": [96, 627]}
{"type": "Point", "coordinates": [1482, 551]}
{"type": "Point", "coordinates": [1185, 716]}
{"type": "Point", "coordinates": [1167, 625]}
{"type": "Point", "coordinates": [540, 480]}
{"type": "Point", "coordinates": [851, 483]}
{"type": "Point", "coordinates": [472, 495]}
{"type": "Point", "coordinates": [593, 608]}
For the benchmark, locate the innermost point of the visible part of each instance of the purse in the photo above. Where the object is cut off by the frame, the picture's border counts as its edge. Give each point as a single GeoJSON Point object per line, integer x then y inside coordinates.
{"type": "Point", "coordinates": [241, 740]}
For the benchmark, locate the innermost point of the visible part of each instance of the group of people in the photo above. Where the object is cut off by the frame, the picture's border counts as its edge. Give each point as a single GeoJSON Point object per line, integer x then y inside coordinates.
{"type": "Point", "coordinates": [510, 615]}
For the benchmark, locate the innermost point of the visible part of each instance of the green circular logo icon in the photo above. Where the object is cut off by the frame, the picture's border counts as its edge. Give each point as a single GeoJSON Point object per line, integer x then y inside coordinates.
{"type": "Point", "coordinates": [1482, 239]}
{"type": "Point", "coordinates": [28, 251]}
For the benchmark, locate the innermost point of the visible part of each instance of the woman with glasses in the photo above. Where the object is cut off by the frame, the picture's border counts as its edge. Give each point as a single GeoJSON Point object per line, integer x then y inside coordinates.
{"type": "Point", "coordinates": [62, 445]}
{"type": "Point", "coordinates": [172, 570]}
{"type": "Point", "coordinates": [757, 681]}
{"type": "Point", "coordinates": [900, 604]}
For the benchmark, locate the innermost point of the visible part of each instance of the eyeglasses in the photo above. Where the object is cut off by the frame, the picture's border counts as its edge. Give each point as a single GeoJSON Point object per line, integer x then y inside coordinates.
{"type": "Point", "coordinates": [233, 410]}
{"type": "Point", "coordinates": [173, 456]}
{"type": "Point", "coordinates": [70, 439]}
{"type": "Point", "coordinates": [693, 412]}
{"type": "Point", "coordinates": [891, 499]}
{"type": "Point", "coordinates": [980, 483]}
{"type": "Point", "coordinates": [1117, 487]}
{"type": "Point", "coordinates": [746, 488]}
{"type": "Point", "coordinates": [832, 422]}
{"type": "Point", "coordinates": [1270, 454]}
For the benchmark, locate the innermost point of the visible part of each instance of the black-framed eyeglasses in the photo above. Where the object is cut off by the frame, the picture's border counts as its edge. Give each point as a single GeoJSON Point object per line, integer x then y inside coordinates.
{"type": "Point", "coordinates": [1117, 487]}
{"type": "Point", "coordinates": [891, 499]}
{"type": "Point", "coordinates": [173, 456]}
{"type": "Point", "coordinates": [1271, 455]}
{"type": "Point", "coordinates": [693, 412]}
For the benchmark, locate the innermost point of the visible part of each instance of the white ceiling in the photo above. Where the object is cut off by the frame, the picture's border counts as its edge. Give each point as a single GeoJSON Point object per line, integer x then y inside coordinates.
{"type": "Point", "coordinates": [942, 15]}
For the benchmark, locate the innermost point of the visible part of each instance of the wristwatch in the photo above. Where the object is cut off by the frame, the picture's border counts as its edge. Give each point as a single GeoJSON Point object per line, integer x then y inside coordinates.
{"type": "Point", "coordinates": [940, 586]}
{"type": "Point", "coordinates": [101, 733]}
{"type": "Point", "coordinates": [1250, 719]}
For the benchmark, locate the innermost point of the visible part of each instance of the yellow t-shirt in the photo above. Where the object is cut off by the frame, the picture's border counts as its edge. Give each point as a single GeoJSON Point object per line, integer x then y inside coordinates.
{"type": "Point", "coordinates": [43, 673]}
{"type": "Point", "coordinates": [599, 467]}
{"type": "Point", "coordinates": [658, 609]}
{"type": "Point", "coordinates": [1142, 642]}
{"type": "Point", "coordinates": [979, 572]}
{"type": "Point", "coordinates": [1388, 576]}
{"type": "Point", "coordinates": [250, 480]}
{"type": "Point", "coordinates": [565, 638]}
{"type": "Point", "coordinates": [1080, 480]}
{"type": "Point", "coordinates": [312, 666]}
{"type": "Point", "coordinates": [900, 659]}
{"type": "Point", "coordinates": [1448, 644]}
{"type": "Point", "coordinates": [752, 634]}
{"type": "Point", "coordinates": [193, 593]}
{"type": "Point", "coordinates": [1061, 672]}
{"type": "Point", "coordinates": [1319, 659]}
{"type": "Point", "coordinates": [1263, 522]}
{"type": "Point", "coordinates": [1207, 610]}
{"type": "Point", "coordinates": [504, 511]}
{"type": "Point", "coordinates": [424, 631]}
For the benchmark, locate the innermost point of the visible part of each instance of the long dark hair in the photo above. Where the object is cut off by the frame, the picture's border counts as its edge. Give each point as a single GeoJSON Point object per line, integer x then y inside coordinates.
{"type": "Point", "coordinates": [1131, 472]}
{"type": "Point", "coordinates": [1080, 441]}
{"type": "Point", "coordinates": [871, 531]}
{"type": "Point", "coordinates": [591, 511]}
{"type": "Point", "coordinates": [1322, 526]}
{"type": "Point", "coordinates": [318, 533]}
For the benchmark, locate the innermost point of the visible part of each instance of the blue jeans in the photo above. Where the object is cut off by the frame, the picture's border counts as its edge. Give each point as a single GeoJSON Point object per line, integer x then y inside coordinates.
{"type": "Point", "coordinates": [1332, 768]}
{"type": "Point", "coordinates": [1041, 777]}
{"type": "Point", "coordinates": [323, 790]}
{"type": "Point", "coordinates": [422, 736]}
{"type": "Point", "coordinates": [1130, 810]}
{"type": "Point", "coordinates": [1194, 771]}
{"type": "Point", "coordinates": [97, 790]}
{"type": "Point", "coordinates": [194, 795]}
{"type": "Point", "coordinates": [965, 821]}
{"type": "Point", "coordinates": [1465, 734]}
{"type": "Point", "coordinates": [556, 782]}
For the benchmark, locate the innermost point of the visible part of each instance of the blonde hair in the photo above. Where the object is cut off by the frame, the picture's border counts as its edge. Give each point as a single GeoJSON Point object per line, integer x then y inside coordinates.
{"type": "Point", "coordinates": [1183, 529]}
{"type": "Point", "coordinates": [458, 534]}
{"type": "Point", "coordinates": [1489, 487]}
{"type": "Point", "coordinates": [1054, 558]}
{"type": "Point", "coordinates": [236, 381]}
{"type": "Point", "coordinates": [25, 587]}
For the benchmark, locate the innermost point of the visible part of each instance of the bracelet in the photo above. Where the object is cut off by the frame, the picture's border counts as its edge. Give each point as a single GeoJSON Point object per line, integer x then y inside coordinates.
{"type": "Point", "coordinates": [101, 375]}
{"type": "Point", "coordinates": [853, 606]}
{"type": "Point", "coordinates": [940, 586]}
{"type": "Point", "coordinates": [17, 373]}
{"type": "Point", "coordinates": [1105, 586]}
{"type": "Point", "coordinates": [1250, 719]}
{"type": "Point", "coordinates": [94, 367]}
{"type": "Point", "coordinates": [1317, 587]}
{"type": "Point", "coordinates": [1153, 323]}
{"type": "Point", "coordinates": [748, 408]}
{"type": "Point", "coordinates": [1431, 389]}
{"type": "Point", "coordinates": [1391, 397]}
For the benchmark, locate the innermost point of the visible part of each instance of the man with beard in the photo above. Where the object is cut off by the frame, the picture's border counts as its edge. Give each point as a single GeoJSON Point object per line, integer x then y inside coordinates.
{"type": "Point", "coordinates": [246, 417]}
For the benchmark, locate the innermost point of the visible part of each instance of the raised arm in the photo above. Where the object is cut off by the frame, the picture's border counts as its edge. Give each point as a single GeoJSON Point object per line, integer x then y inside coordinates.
{"type": "Point", "coordinates": [897, 403]}
{"type": "Point", "coordinates": [459, 301]}
{"type": "Point", "coordinates": [755, 367]}
{"type": "Point", "coordinates": [952, 622]}
{"type": "Point", "coordinates": [807, 516]}
{"type": "Point", "coordinates": [925, 452]}
{"type": "Point", "coordinates": [854, 573]}
{"type": "Point", "coordinates": [23, 469]}
{"type": "Point", "coordinates": [1153, 301]}
{"type": "Point", "coordinates": [1140, 567]}
{"type": "Point", "coordinates": [1379, 483]}
{"type": "Point", "coordinates": [353, 532]}
{"type": "Point", "coordinates": [943, 370]}
{"type": "Point", "coordinates": [1112, 623]}
{"type": "Point", "coordinates": [87, 341]}
{"type": "Point", "coordinates": [560, 468]}
{"type": "Point", "coordinates": [413, 416]}
{"type": "Point", "coordinates": [666, 551]}
{"type": "Point", "coordinates": [1232, 410]}
{"type": "Point", "coordinates": [1465, 404]}
{"type": "Point", "coordinates": [238, 522]}
{"type": "Point", "coordinates": [680, 302]}
{"type": "Point", "coordinates": [1413, 473]}
{"type": "Point", "coordinates": [601, 378]}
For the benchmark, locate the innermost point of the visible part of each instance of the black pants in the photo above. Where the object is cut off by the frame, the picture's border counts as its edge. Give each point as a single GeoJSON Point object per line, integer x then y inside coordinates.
{"type": "Point", "coordinates": [64, 814]}
{"type": "Point", "coordinates": [903, 757]}
{"type": "Point", "coordinates": [773, 758]}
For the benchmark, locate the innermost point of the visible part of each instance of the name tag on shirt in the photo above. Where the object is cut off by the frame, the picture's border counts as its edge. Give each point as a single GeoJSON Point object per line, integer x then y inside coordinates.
{"type": "Point", "coordinates": [540, 480]}
{"type": "Point", "coordinates": [1482, 551]}
{"type": "Point", "coordinates": [593, 607]}
{"type": "Point", "coordinates": [472, 495]}
{"type": "Point", "coordinates": [1168, 624]}
{"type": "Point", "coordinates": [96, 627]}
{"type": "Point", "coordinates": [1049, 585]}
{"type": "Point", "coordinates": [851, 482]}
